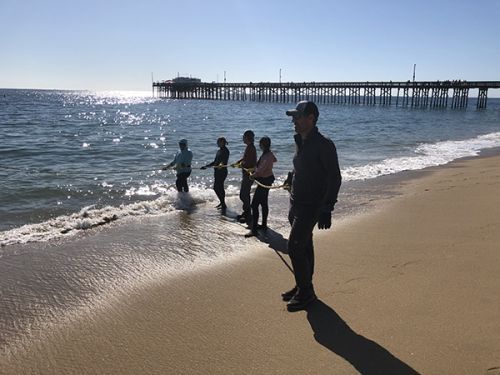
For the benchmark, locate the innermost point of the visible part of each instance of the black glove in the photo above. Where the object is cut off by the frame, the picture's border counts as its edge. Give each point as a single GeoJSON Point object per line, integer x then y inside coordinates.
{"type": "Point", "coordinates": [325, 220]}
{"type": "Point", "coordinates": [288, 182]}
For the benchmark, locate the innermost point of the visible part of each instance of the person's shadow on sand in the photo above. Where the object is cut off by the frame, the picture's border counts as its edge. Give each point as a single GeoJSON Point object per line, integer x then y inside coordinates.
{"type": "Point", "coordinates": [333, 333]}
{"type": "Point", "coordinates": [365, 355]}
{"type": "Point", "coordinates": [275, 240]}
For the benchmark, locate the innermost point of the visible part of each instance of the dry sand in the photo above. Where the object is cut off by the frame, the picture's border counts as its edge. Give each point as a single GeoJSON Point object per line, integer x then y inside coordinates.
{"type": "Point", "coordinates": [412, 286]}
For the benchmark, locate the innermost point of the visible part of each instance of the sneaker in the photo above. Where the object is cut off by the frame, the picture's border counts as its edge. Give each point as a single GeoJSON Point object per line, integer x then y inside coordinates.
{"type": "Point", "coordinates": [287, 296]}
{"type": "Point", "coordinates": [299, 302]}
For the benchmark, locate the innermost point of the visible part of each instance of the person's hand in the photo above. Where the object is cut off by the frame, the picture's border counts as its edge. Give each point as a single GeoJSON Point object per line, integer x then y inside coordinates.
{"type": "Point", "coordinates": [325, 220]}
{"type": "Point", "coordinates": [204, 167]}
{"type": "Point", "coordinates": [287, 184]}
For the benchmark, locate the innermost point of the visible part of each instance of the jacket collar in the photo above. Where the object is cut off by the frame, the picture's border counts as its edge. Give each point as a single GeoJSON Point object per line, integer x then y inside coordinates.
{"type": "Point", "coordinates": [312, 134]}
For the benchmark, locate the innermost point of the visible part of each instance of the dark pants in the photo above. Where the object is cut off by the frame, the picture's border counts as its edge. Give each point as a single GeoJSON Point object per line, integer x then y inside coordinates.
{"type": "Point", "coordinates": [246, 185]}
{"type": "Point", "coordinates": [181, 182]}
{"type": "Point", "coordinates": [219, 178]}
{"type": "Point", "coordinates": [260, 198]}
{"type": "Point", "coordinates": [300, 244]}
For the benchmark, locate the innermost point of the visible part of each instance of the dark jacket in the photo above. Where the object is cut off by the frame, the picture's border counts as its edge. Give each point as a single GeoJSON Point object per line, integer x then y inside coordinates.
{"type": "Point", "coordinates": [316, 178]}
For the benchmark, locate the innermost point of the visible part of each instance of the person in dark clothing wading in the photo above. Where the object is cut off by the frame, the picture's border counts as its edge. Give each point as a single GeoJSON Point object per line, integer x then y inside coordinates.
{"type": "Point", "coordinates": [247, 162]}
{"type": "Point", "coordinates": [315, 183]}
{"type": "Point", "coordinates": [182, 164]}
{"type": "Point", "coordinates": [263, 174]}
{"type": "Point", "coordinates": [220, 172]}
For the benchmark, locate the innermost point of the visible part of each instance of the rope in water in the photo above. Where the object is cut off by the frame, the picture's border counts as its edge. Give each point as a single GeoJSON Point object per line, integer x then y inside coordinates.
{"type": "Point", "coordinates": [95, 173]}
{"type": "Point", "coordinates": [83, 173]}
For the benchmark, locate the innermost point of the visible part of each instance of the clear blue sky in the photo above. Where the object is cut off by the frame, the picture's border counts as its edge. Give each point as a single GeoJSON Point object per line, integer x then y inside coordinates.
{"type": "Point", "coordinates": [116, 45]}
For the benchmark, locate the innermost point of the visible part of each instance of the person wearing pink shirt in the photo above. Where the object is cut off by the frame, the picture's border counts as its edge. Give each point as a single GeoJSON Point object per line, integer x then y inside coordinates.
{"type": "Point", "coordinates": [264, 175]}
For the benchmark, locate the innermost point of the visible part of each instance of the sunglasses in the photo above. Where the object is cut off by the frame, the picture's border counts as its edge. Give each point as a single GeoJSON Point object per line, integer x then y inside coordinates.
{"type": "Point", "coordinates": [299, 115]}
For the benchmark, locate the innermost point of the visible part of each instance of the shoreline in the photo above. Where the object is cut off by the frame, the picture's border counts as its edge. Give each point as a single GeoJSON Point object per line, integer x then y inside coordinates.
{"type": "Point", "coordinates": [409, 286]}
{"type": "Point", "coordinates": [71, 224]}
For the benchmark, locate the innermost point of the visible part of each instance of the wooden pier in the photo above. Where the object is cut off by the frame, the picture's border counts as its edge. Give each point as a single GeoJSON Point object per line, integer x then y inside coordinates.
{"type": "Point", "coordinates": [432, 94]}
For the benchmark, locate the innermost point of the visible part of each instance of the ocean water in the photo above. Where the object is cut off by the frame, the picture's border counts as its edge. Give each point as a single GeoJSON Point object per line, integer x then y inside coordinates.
{"type": "Point", "coordinates": [73, 160]}
{"type": "Point", "coordinates": [87, 217]}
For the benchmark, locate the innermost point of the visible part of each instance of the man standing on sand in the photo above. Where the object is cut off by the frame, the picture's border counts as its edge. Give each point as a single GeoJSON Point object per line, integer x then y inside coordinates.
{"type": "Point", "coordinates": [315, 183]}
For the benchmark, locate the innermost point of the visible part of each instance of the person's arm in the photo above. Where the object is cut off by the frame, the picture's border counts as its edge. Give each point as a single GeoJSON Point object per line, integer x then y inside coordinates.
{"type": "Point", "coordinates": [212, 163]}
{"type": "Point", "coordinates": [265, 165]}
{"type": "Point", "coordinates": [330, 163]}
{"type": "Point", "coordinates": [215, 162]}
{"type": "Point", "coordinates": [172, 163]}
{"type": "Point", "coordinates": [287, 184]}
{"type": "Point", "coordinates": [225, 156]}
{"type": "Point", "coordinates": [250, 157]}
{"type": "Point", "coordinates": [240, 161]}
{"type": "Point", "coordinates": [188, 158]}
{"type": "Point", "coordinates": [222, 158]}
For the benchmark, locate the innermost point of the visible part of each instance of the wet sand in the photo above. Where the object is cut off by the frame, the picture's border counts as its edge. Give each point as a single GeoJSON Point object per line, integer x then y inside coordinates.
{"type": "Point", "coordinates": [411, 286]}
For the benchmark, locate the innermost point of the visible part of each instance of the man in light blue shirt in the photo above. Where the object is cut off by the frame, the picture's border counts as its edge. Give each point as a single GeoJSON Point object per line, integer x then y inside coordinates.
{"type": "Point", "coordinates": [182, 163]}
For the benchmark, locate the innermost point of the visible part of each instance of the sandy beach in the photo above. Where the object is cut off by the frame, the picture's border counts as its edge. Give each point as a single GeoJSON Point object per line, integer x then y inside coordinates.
{"type": "Point", "coordinates": [411, 286]}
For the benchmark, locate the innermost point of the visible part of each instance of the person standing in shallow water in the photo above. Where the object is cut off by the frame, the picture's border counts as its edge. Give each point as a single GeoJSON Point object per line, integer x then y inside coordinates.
{"type": "Point", "coordinates": [182, 164]}
{"type": "Point", "coordinates": [247, 162]}
{"type": "Point", "coordinates": [220, 173]}
{"type": "Point", "coordinates": [315, 183]}
{"type": "Point", "coordinates": [263, 174]}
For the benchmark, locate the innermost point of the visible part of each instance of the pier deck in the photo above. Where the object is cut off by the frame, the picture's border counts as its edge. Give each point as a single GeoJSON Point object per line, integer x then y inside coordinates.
{"type": "Point", "coordinates": [416, 94]}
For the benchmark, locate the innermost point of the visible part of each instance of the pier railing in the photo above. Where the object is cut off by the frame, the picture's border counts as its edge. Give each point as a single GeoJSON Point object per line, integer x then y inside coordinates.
{"type": "Point", "coordinates": [415, 94]}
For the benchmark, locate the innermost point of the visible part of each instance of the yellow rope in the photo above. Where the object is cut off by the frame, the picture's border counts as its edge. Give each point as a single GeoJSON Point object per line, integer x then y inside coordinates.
{"type": "Point", "coordinates": [220, 166]}
{"type": "Point", "coordinates": [284, 186]}
{"type": "Point", "coordinates": [250, 172]}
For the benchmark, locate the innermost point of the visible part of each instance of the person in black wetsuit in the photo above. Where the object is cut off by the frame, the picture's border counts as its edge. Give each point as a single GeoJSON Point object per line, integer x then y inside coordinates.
{"type": "Point", "coordinates": [247, 163]}
{"type": "Point", "coordinates": [220, 173]}
{"type": "Point", "coordinates": [315, 183]}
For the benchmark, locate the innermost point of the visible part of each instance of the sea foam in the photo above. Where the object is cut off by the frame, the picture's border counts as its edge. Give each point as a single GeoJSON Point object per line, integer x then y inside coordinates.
{"type": "Point", "coordinates": [426, 155]}
{"type": "Point", "coordinates": [91, 217]}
